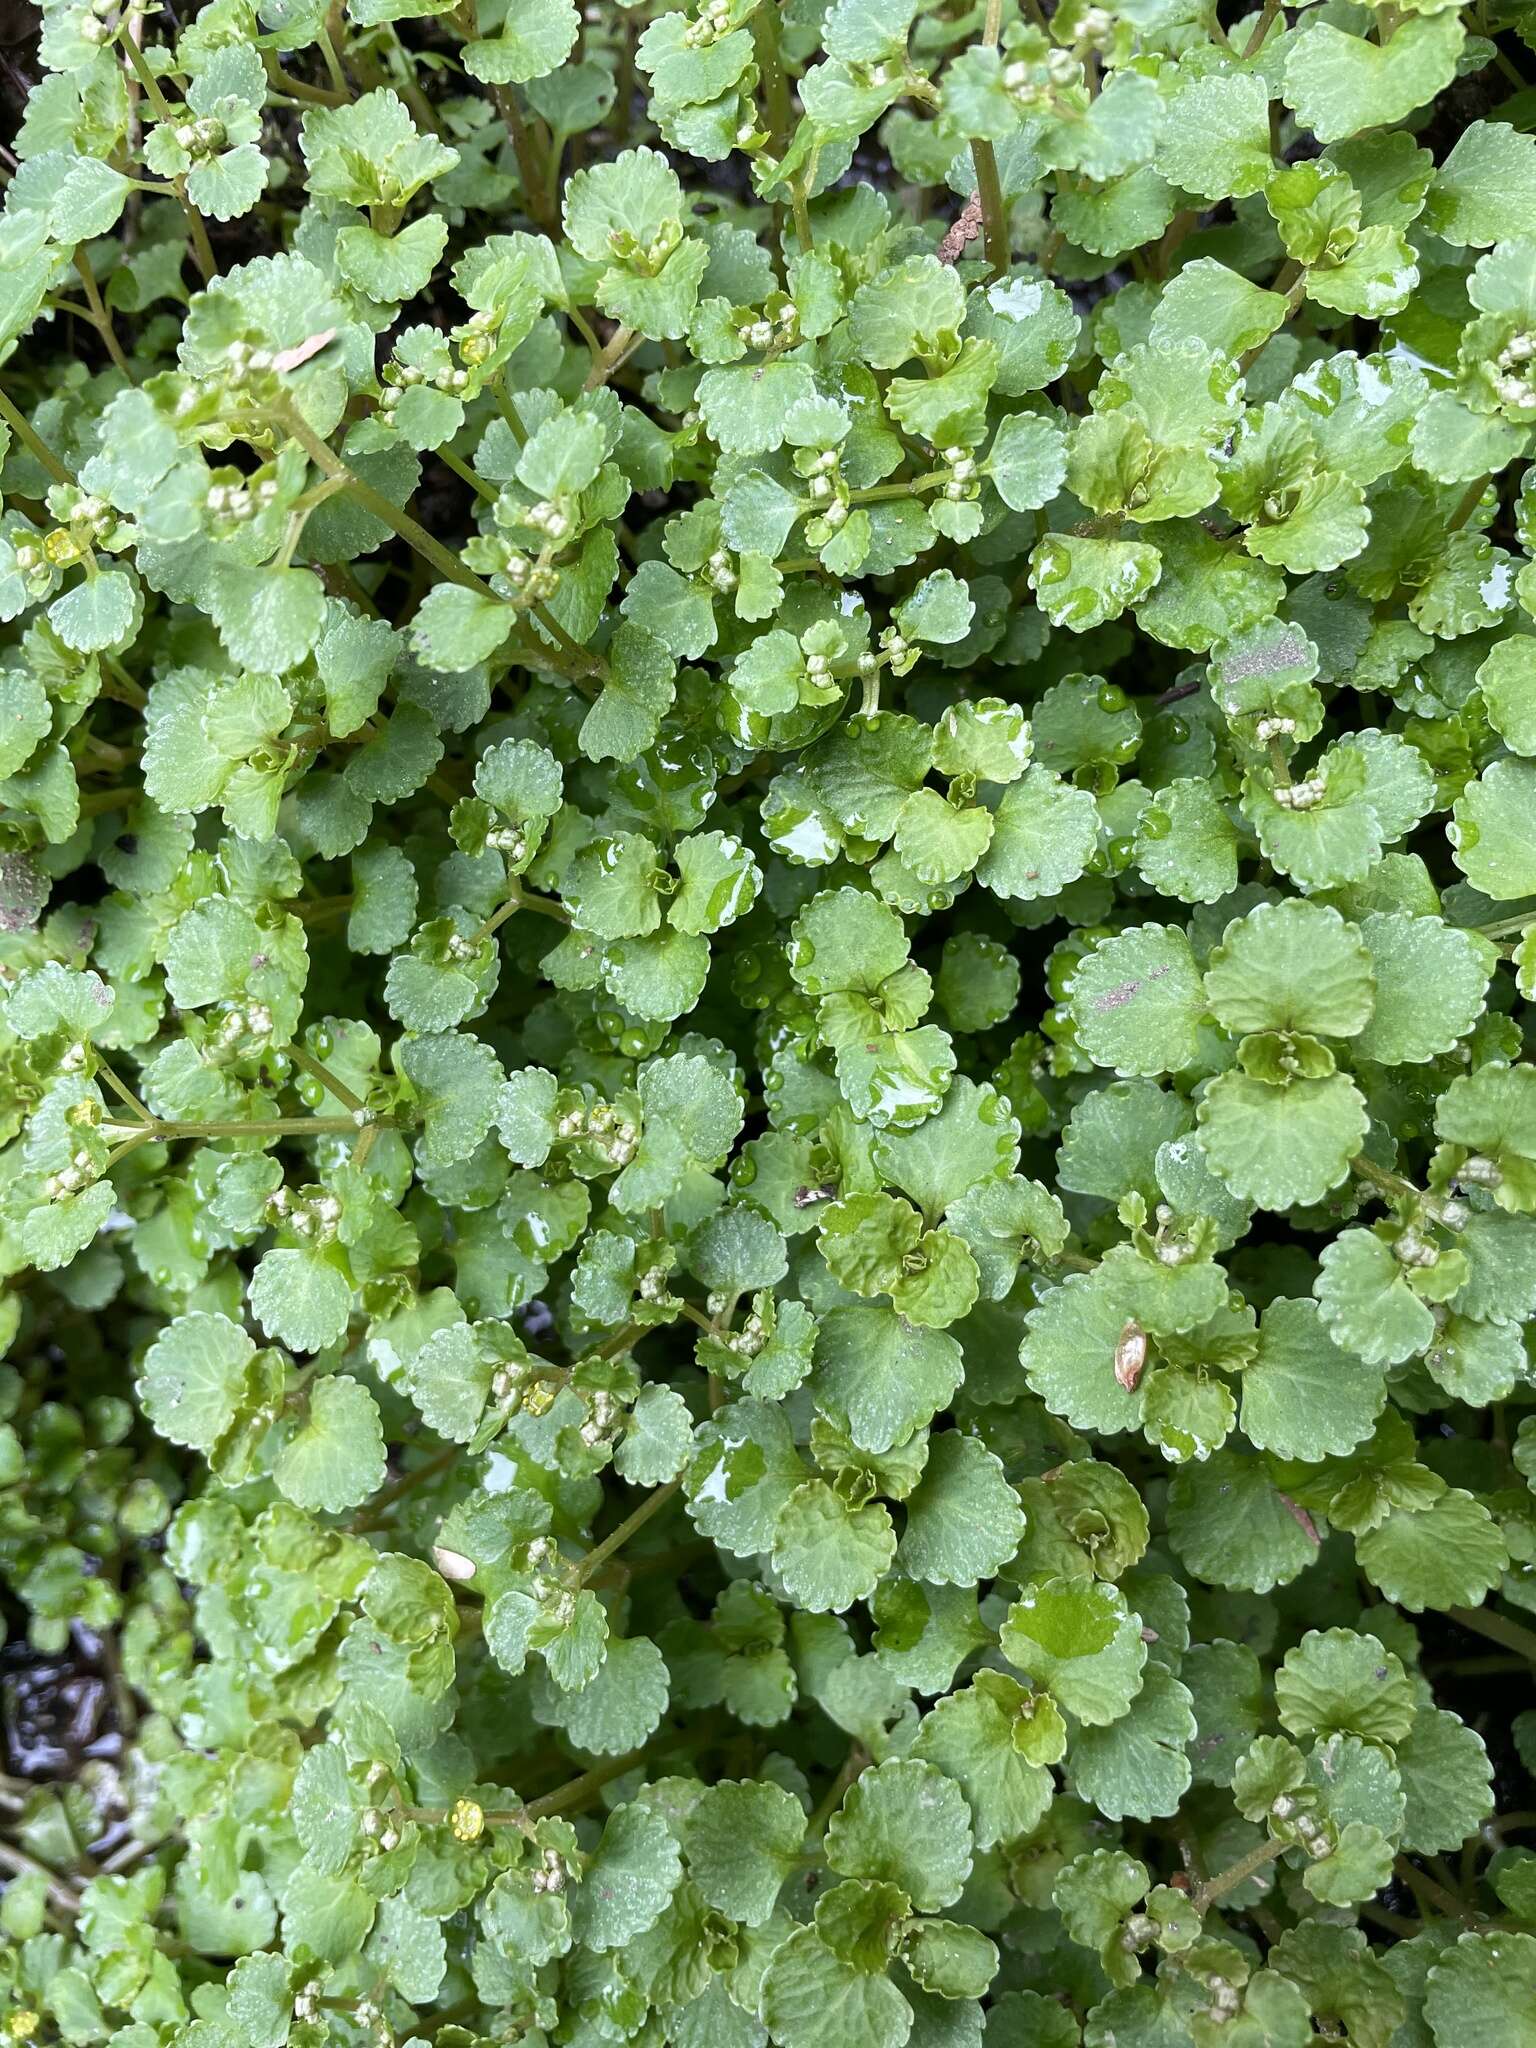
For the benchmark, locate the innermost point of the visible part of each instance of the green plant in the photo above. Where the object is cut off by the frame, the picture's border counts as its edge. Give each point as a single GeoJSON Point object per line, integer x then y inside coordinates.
{"type": "Point", "coordinates": [769, 897]}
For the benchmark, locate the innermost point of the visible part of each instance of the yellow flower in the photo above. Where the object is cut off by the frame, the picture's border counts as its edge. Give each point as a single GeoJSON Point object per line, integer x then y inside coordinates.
{"type": "Point", "coordinates": [467, 1820]}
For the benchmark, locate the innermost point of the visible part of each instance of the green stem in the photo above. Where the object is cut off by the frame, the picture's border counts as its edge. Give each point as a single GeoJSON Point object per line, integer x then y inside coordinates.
{"type": "Point", "coordinates": [587, 663]}
{"type": "Point", "coordinates": [621, 1340]}
{"type": "Point", "coordinates": [989, 186]}
{"type": "Point", "coordinates": [1292, 281]}
{"type": "Point", "coordinates": [994, 208]}
{"type": "Point", "coordinates": [1428, 1890]}
{"type": "Point", "coordinates": [654, 1501]}
{"type": "Point", "coordinates": [462, 469]}
{"type": "Point", "coordinates": [1498, 1628]}
{"type": "Point", "coordinates": [100, 801]}
{"type": "Point", "coordinates": [1235, 1874]}
{"type": "Point", "coordinates": [147, 79]}
{"type": "Point", "coordinates": [125, 689]}
{"type": "Point", "coordinates": [332, 62]}
{"type": "Point", "coordinates": [546, 906]}
{"type": "Point", "coordinates": [563, 1799]}
{"type": "Point", "coordinates": [577, 1791]}
{"type": "Point", "coordinates": [123, 1092]}
{"type": "Point", "coordinates": [101, 319]}
{"type": "Point", "coordinates": [23, 429]}
{"type": "Point", "coordinates": [272, 1127]}
{"type": "Point", "coordinates": [328, 1081]}
{"type": "Point", "coordinates": [201, 246]}
{"type": "Point", "coordinates": [295, 88]}
{"type": "Point", "coordinates": [410, 530]}
{"type": "Point", "coordinates": [765, 37]}
{"type": "Point", "coordinates": [540, 206]}
{"type": "Point", "coordinates": [902, 488]}
{"type": "Point", "coordinates": [496, 920]}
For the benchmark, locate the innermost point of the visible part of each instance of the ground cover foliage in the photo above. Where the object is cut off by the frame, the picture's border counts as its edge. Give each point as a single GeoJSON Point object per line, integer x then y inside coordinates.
{"type": "Point", "coordinates": [769, 1189]}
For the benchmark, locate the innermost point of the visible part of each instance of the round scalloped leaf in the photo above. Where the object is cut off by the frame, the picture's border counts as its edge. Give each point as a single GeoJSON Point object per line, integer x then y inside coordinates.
{"type": "Point", "coordinates": [1302, 1396]}
{"type": "Point", "coordinates": [827, 1554]}
{"type": "Point", "coordinates": [846, 939]}
{"type": "Point", "coordinates": [1332, 840]}
{"type": "Point", "coordinates": [1358, 1865]}
{"type": "Point", "coordinates": [1077, 1638]}
{"type": "Point", "coordinates": [1186, 843]}
{"type": "Point", "coordinates": [628, 1880]}
{"type": "Point", "coordinates": [301, 1297]}
{"type": "Point", "coordinates": [1431, 982]}
{"type": "Point", "coordinates": [1484, 1991]}
{"type": "Point", "coordinates": [1027, 460]}
{"type": "Point", "coordinates": [905, 1823]}
{"type": "Point", "coordinates": [1043, 833]}
{"type": "Point", "coordinates": [1447, 1782]}
{"type": "Point", "coordinates": [811, 1996]}
{"type": "Point", "coordinates": [883, 1374]}
{"type": "Point", "coordinates": [1399, 784]}
{"type": "Point", "coordinates": [1338, 84]}
{"type": "Point", "coordinates": [940, 840]}
{"type": "Point", "coordinates": [1138, 1768]}
{"type": "Point", "coordinates": [969, 1734]}
{"type": "Point", "coordinates": [1228, 1690]}
{"type": "Point", "coordinates": [1507, 680]}
{"type": "Point", "coordinates": [1340, 1681]}
{"type": "Point", "coordinates": [1187, 1183]}
{"type": "Point", "coordinates": [1083, 583]}
{"type": "Point", "coordinates": [1500, 1252]}
{"type": "Point", "coordinates": [742, 1838]}
{"type": "Point", "coordinates": [1493, 840]}
{"type": "Point", "coordinates": [972, 1138]}
{"type": "Point", "coordinates": [1291, 966]}
{"type": "Point", "coordinates": [1068, 1355]}
{"type": "Point", "coordinates": [964, 1521]}
{"type": "Point", "coordinates": [1493, 1113]}
{"type": "Point", "coordinates": [336, 1457]}
{"type": "Point", "coordinates": [745, 1467]}
{"type": "Point", "coordinates": [1366, 1302]}
{"type": "Point", "coordinates": [1137, 1001]}
{"type": "Point", "coordinates": [1188, 1414]}
{"type": "Point", "coordinates": [1476, 1362]}
{"type": "Point", "coordinates": [620, 1706]}
{"type": "Point", "coordinates": [1281, 1147]}
{"type": "Point", "coordinates": [193, 1378]}
{"type": "Point", "coordinates": [1448, 1554]}
{"type": "Point", "coordinates": [1113, 1135]}
{"type": "Point", "coordinates": [1233, 1527]}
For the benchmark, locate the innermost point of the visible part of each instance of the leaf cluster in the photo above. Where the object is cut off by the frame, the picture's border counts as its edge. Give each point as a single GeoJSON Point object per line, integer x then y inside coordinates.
{"type": "Point", "coordinates": [767, 932]}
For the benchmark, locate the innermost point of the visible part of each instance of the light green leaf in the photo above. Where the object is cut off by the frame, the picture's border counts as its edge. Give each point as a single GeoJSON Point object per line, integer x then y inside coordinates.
{"type": "Point", "coordinates": [1077, 1638]}
{"type": "Point", "coordinates": [904, 1823]}
{"type": "Point", "coordinates": [335, 1459]}
{"type": "Point", "coordinates": [829, 1555]}
{"type": "Point", "coordinates": [1137, 1001]}
{"type": "Point", "coordinates": [1302, 1396]}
